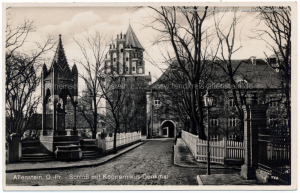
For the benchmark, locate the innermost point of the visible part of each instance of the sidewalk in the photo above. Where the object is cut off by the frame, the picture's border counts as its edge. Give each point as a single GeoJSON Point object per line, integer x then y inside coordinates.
{"type": "Point", "coordinates": [224, 179]}
{"type": "Point", "coordinates": [184, 158]}
{"type": "Point", "coordinates": [51, 165]}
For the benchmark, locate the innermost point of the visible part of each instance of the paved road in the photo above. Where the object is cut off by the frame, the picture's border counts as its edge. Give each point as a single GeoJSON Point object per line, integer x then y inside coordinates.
{"type": "Point", "coordinates": [149, 164]}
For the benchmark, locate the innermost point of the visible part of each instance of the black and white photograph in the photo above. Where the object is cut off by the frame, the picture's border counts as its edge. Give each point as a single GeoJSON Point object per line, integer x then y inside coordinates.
{"type": "Point", "coordinates": [149, 96]}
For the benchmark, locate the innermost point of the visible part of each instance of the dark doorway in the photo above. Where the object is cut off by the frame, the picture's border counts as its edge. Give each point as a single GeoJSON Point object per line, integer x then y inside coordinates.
{"type": "Point", "coordinates": [170, 126]}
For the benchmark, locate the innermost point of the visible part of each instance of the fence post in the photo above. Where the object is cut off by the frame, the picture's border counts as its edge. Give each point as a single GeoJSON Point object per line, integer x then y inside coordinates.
{"type": "Point", "coordinates": [225, 149]}
{"type": "Point", "coordinates": [14, 148]}
{"type": "Point", "coordinates": [195, 147]}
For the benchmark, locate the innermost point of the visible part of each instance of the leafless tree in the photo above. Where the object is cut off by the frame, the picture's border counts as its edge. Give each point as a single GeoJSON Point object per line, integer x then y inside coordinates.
{"type": "Point", "coordinates": [190, 41]}
{"type": "Point", "coordinates": [228, 37]}
{"type": "Point", "coordinates": [93, 48]}
{"type": "Point", "coordinates": [277, 36]}
{"type": "Point", "coordinates": [100, 85]}
{"type": "Point", "coordinates": [115, 93]}
{"type": "Point", "coordinates": [21, 75]}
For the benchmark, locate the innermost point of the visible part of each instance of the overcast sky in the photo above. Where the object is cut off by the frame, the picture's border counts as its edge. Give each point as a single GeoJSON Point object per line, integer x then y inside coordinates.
{"type": "Point", "coordinates": [75, 21]}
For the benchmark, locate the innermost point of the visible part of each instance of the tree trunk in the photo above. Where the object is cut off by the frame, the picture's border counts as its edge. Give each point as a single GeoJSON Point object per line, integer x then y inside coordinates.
{"type": "Point", "coordinates": [201, 133]}
{"type": "Point", "coordinates": [115, 138]}
{"type": "Point", "coordinates": [94, 132]}
{"type": "Point", "coordinates": [193, 127]}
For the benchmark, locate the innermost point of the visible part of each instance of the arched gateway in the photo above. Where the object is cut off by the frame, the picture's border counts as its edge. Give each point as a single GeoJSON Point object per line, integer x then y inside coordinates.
{"type": "Point", "coordinates": [168, 128]}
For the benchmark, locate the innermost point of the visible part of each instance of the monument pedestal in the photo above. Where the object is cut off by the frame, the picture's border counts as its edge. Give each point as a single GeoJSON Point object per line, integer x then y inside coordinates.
{"type": "Point", "coordinates": [71, 152]}
{"type": "Point", "coordinates": [56, 140]}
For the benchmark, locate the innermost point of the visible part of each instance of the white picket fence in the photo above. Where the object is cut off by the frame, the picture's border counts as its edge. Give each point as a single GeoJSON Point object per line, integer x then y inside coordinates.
{"type": "Point", "coordinates": [219, 150]}
{"type": "Point", "coordinates": [122, 139]}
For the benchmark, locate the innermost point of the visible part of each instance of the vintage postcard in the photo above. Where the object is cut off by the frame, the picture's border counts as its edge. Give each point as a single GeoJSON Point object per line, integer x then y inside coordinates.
{"type": "Point", "coordinates": [149, 96]}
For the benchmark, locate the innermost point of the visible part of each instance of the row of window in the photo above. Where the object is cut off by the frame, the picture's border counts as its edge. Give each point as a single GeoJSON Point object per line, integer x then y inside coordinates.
{"type": "Point", "coordinates": [272, 103]}
{"type": "Point", "coordinates": [232, 122]}
{"type": "Point", "coordinates": [216, 137]}
{"type": "Point", "coordinates": [133, 70]}
{"type": "Point", "coordinates": [127, 59]}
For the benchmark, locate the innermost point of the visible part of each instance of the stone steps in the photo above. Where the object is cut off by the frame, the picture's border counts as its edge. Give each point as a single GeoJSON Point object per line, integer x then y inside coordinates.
{"type": "Point", "coordinates": [90, 154]}
{"type": "Point", "coordinates": [32, 150]}
{"type": "Point", "coordinates": [37, 157]}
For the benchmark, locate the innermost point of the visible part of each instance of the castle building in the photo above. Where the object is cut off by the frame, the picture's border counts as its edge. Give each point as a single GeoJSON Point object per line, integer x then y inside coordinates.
{"type": "Point", "coordinates": [124, 61]}
{"type": "Point", "coordinates": [125, 56]}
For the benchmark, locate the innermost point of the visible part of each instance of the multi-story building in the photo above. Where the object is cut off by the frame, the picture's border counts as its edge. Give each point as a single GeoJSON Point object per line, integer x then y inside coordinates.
{"type": "Point", "coordinates": [253, 76]}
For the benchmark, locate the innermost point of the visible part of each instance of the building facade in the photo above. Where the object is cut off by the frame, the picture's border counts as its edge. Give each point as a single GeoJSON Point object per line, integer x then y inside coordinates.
{"type": "Point", "coordinates": [254, 77]}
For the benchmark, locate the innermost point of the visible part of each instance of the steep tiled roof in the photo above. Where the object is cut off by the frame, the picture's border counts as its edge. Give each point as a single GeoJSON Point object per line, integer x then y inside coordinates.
{"type": "Point", "coordinates": [131, 39]}
{"type": "Point", "coordinates": [259, 76]}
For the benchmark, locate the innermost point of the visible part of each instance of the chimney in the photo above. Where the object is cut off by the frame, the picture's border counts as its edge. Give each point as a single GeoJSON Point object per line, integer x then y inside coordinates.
{"type": "Point", "coordinates": [124, 36]}
{"type": "Point", "coordinates": [253, 60]}
{"type": "Point", "coordinates": [118, 36]}
{"type": "Point", "coordinates": [114, 46]}
{"type": "Point", "coordinates": [121, 35]}
{"type": "Point", "coordinates": [109, 46]}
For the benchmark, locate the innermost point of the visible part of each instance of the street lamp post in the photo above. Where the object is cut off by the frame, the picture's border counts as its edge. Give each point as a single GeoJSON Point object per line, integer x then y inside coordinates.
{"type": "Point", "coordinates": [208, 102]}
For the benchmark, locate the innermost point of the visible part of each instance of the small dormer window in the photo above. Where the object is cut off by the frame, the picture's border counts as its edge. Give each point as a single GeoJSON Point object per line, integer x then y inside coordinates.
{"type": "Point", "coordinates": [121, 50]}
{"type": "Point", "coordinates": [133, 68]}
{"type": "Point", "coordinates": [114, 59]}
{"type": "Point", "coordinates": [242, 84]}
{"type": "Point", "coordinates": [127, 59]}
{"type": "Point", "coordinates": [127, 69]}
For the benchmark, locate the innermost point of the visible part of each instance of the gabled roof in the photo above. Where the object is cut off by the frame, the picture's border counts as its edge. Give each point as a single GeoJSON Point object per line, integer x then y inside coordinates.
{"type": "Point", "coordinates": [60, 61]}
{"type": "Point", "coordinates": [131, 39]}
{"type": "Point", "coordinates": [259, 76]}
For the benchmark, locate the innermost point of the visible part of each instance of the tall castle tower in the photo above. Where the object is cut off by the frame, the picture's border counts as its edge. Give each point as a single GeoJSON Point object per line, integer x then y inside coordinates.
{"type": "Point", "coordinates": [125, 60]}
{"type": "Point", "coordinates": [126, 55]}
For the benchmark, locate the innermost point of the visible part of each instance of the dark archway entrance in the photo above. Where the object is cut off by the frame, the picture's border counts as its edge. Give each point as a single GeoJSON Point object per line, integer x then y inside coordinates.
{"type": "Point", "coordinates": [168, 129]}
